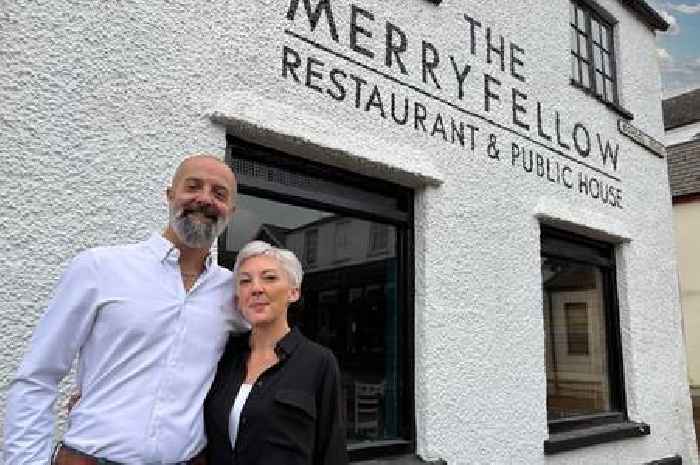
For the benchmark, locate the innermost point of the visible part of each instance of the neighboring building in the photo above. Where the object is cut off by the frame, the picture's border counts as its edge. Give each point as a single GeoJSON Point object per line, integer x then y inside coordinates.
{"type": "Point", "coordinates": [476, 190]}
{"type": "Point", "coordinates": [682, 121]}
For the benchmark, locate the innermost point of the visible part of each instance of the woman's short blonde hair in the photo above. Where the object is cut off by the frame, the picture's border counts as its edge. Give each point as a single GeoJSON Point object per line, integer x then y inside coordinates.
{"type": "Point", "coordinates": [286, 258]}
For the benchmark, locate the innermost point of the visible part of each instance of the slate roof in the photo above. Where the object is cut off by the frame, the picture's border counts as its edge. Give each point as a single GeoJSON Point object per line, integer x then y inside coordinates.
{"type": "Point", "coordinates": [682, 109]}
{"type": "Point", "coordinates": [684, 168]}
{"type": "Point", "coordinates": [647, 13]}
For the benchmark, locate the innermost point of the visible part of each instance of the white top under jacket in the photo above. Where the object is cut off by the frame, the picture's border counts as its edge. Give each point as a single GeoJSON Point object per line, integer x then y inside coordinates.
{"type": "Point", "coordinates": [147, 351]}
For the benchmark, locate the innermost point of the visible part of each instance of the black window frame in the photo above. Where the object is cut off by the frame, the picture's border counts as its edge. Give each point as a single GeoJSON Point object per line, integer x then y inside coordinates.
{"type": "Point", "coordinates": [594, 12]}
{"type": "Point", "coordinates": [404, 224]}
{"type": "Point", "coordinates": [579, 431]}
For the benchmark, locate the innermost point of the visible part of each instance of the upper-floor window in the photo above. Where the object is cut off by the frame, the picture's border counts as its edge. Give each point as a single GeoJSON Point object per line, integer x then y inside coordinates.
{"type": "Point", "coordinates": [592, 50]}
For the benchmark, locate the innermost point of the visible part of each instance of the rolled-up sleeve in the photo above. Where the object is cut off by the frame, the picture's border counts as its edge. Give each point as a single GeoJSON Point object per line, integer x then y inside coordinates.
{"type": "Point", "coordinates": [58, 337]}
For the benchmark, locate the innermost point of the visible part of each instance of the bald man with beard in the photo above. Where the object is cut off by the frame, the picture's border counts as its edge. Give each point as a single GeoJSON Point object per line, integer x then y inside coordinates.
{"type": "Point", "coordinates": [148, 322]}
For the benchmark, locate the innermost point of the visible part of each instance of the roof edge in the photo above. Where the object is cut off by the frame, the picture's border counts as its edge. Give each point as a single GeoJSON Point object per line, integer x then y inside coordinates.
{"type": "Point", "coordinates": [649, 14]}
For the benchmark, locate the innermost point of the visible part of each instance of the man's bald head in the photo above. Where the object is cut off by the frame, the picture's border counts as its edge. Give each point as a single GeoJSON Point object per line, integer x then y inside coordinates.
{"type": "Point", "coordinates": [208, 162]}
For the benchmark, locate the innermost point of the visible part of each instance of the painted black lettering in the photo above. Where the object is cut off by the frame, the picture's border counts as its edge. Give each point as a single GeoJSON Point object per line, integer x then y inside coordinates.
{"type": "Point", "coordinates": [419, 115]}
{"type": "Point", "coordinates": [457, 132]}
{"type": "Point", "coordinates": [430, 65]}
{"type": "Point", "coordinates": [375, 100]}
{"type": "Point", "coordinates": [323, 6]}
{"type": "Point", "coordinates": [488, 95]}
{"type": "Point", "coordinates": [403, 120]}
{"type": "Point", "coordinates": [527, 157]}
{"type": "Point", "coordinates": [393, 50]}
{"type": "Point", "coordinates": [472, 133]}
{"type": "Point", "coordinates": [311, 73]}
{"type": "Point", "coordinates": [439, 126]}
{"type": "Point", "coordinates": [567, 181]}
{"type": "Point", "coordinates": [607, 152]}
{"type": "Point", "coordinates": [290, 66]}
{"type": "Point", "coordinates": [514, 153]}
{"type": "Point", "coordinates": [583, 183]}
{"type": "Point", "coordinates": [355, 29]}
{"type": "Point", "coordinates": [340, 96]}
{"type": "Point", "coordinates": [540, 131]}
{"type": "Point", "coordinates": [498, 50]}
{"type": "Point", "coordinates": [359, 82]}
{"type": "Point", "coordinates": [460, 75]}
{"type": "Point", "coordinates": [518, 109]}
{"type": "Point", "coordinates": [473, 23]}
{"type": "Point", "coordinates": [557, 127]}
{"type": "Point", "coordinates": [583, 151]}
{"type": "Point", "coordinates": [516, 61]}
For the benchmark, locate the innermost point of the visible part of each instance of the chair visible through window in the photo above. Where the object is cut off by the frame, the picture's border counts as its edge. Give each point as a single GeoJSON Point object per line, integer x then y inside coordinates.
{"type": "Point", "coordinates": [368, 400]}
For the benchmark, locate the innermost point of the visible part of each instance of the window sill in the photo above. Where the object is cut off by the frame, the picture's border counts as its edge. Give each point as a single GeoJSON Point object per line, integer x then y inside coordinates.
{"type": "Point", "coordinates": [617, 108]}
{"type": "Point", "coordinates": [574, 439]}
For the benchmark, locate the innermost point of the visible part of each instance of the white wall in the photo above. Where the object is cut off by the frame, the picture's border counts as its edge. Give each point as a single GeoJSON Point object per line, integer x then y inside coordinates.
{"type": "Point", "coordinates": [99, 104]}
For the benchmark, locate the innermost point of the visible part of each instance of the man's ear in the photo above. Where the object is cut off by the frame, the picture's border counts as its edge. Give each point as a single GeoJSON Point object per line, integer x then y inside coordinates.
{"type": "Point", "coordinates": [169, 193]}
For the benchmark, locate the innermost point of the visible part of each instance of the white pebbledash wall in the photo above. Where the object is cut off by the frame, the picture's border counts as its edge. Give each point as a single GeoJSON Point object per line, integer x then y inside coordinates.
{"type": "Point", "coordinates": [100, 100]}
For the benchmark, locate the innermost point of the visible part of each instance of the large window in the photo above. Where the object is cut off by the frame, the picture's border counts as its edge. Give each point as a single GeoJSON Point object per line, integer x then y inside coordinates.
{"type": "Point", "coordinates": [357, 288]}
{"type": "Point", "coordinates": [585, 382]}
{"type": "Point", "coordinates": [592, 50]}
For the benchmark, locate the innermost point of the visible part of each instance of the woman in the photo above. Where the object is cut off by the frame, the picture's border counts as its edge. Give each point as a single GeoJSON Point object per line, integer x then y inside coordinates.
{"type": "Point", "coordinates": [276, 395]}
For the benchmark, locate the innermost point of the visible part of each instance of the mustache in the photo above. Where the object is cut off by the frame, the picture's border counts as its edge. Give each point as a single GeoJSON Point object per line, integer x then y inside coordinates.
{"type": "Point", "coordinates": [206, 210]}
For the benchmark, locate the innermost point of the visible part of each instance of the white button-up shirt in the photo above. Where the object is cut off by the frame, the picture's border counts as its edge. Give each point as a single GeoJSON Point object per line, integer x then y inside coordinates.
{"type": "Point", "coordinates": [148, 351]}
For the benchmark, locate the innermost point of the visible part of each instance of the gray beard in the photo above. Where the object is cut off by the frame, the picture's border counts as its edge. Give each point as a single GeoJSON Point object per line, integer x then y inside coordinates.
{"type": "Point", "coordinates": [193, 234]}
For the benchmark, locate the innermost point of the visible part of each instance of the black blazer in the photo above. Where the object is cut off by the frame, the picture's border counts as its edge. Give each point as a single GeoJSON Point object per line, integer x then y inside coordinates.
{"type": "Point", "coordinates": [293, 415]}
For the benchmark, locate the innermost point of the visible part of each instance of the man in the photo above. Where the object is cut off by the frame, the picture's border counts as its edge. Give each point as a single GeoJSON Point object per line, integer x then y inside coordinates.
{"type": "Point", "coordinates": [149, 322]}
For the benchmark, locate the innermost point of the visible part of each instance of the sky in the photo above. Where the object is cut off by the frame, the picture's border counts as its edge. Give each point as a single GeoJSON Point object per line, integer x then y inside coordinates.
{"type": "Point", "coordinates": [679, 47]}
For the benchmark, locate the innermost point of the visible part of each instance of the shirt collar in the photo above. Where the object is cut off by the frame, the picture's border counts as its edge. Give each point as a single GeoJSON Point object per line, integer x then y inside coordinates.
{"type": "Point", "coordinates": [289, 342]}
{"type": "Point", "coordinates": [166, 250]}
{"type": "Point", "coordinates": [284, 347]}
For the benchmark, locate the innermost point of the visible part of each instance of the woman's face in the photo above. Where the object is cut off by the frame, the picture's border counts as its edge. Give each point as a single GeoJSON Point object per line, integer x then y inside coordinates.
{"type": "Point", "coordinates": [264, 291]}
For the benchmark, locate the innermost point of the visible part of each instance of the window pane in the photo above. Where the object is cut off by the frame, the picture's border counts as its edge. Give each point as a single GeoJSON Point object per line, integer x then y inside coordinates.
{"type": "Point", "coordinates": [572, 13]}
{"type": "Point", "coordinates": [609, 90]}
{"type": "Point", "coordinates": [580, 18]}
{"type": "Point", "coordinates": [598, 59]}
{"type": "Point", "coordinates": [349, 301]}
{"type": "Point", "coordinates": [583, 46]}
{"type": "Point", "coordinates": [575, 339]}
{"type": "Point", "coordinates": [595, 31]}
{"type": "Point", "coordinates": [599, 85]}
{"type": "Point", "coordinates": [585, 77]}
{"type": "Point", "coordinates": [605, 38]}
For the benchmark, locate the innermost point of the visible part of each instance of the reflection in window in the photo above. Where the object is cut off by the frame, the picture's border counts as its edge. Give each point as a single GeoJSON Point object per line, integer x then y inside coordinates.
{"type": "Point", "coordinates": [577, 314]}
{"type": "Point", "coordinates": [343, 246]}
{"type": "Point", "coordinates": [310, 247]}
{"type": "Point", "coordinates": [349, 306]}
{"type": "Point", "coordinates": [378, 238]}
{"type": "Point", "coordinates": [577, 327]}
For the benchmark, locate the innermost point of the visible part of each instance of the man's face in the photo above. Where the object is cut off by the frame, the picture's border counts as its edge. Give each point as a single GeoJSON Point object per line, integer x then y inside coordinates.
{"type": "Point", "coordinates": [201, 201]}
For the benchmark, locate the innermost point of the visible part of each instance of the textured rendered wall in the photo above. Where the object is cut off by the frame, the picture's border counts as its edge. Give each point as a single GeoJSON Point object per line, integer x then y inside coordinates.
{"type": "Point", "coordinates": [99, 103]}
